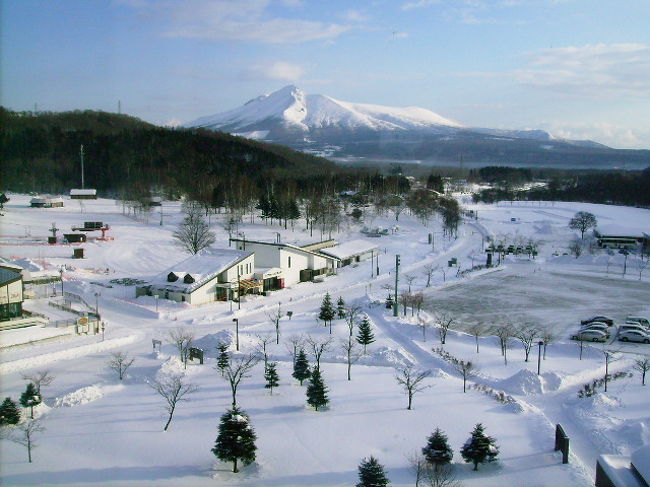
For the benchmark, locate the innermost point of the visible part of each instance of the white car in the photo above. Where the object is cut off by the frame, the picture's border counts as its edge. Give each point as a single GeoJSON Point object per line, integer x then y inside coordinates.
{"type": "Point", "coordinates": [590, 335]}
{"type": "Point", "coordinates": [634, 336]}
{"type": "Point", "coordinates": [631, 327]}
{"type": "Point", "coordinates": [596, 326]}
{"type": "Point", "coordinates": [638, 319]}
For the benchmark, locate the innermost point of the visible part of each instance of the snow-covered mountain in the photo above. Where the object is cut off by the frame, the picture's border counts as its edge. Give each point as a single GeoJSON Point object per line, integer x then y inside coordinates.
{"type": "Point", "coordinates": [348, 131]}
{"type": "Point", "coordinates": [295, 110]}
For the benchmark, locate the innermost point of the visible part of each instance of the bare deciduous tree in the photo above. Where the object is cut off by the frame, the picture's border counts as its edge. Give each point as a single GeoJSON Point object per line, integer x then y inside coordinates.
{"type": "Point", "coordinates": [466, 369]}
{"type": "Point", "coordinates": [427, 476]}
{"type": "Point", "coordinates": [428, 271]}
{"type": "Point", "coordinates": [643, 366]}
{"type": "Point", "coordinates": [476, 330]}
{"type": "Point", "coordinates": [505, 333]}
{"type": "Point", "coordinates": [262, 342]}
{"type": "Point", "coordinates": [182, 338]}
{"type": "Point", "coordinates": [318, 347]}
{"type": "Point", "coordinates": [575, 248]}
{"type": "Point", "coordinates": [24, 434]}
{"type": "Point", "coordinates": [351, 316]}
{"type": "Point", "coordinates": [173, 389]}
{"type": "Point", "coordinates": [352, 353]}
{"type": "Point", "coordinates": [547, 338]}
{"type": "Point", "coordinates": [296, 342]}
{"type": "Point", "coordinates": [237, 370]}
{"type": "Point", "coordinates": [41, 378]}
{"type": "Point", "coordinates": [444, 320]}
{"type": "Point", "coordinates": [120, 362]}
{"type": "Point", "coordinates": [275, 318]}
{"type": "Point", "coordinates": [527, 334]}
{"type": "Point", "coordinates": [411, 380]}
{"type": "Point", "coordinates": [424, 322]}
{"type": "Point", "coordinates": [194, 234]}
{"type": "Point", "coordinates": [410, 279]}
{"type": "Point", "coordinates": [582, 221]}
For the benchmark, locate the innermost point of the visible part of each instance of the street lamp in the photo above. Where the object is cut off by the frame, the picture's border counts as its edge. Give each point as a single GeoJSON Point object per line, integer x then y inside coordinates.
{"type": "Point", "coordinates": [103, 329]}
{"type": "Point", "coordinates": [539, 356]}
{"type": "Point", "coordinates": [61, 274]}
{"type": "Point", "coordinates": [156, 296]}
{"type": "Point", "coordinates": [236, 320]}
{"type": "Point", "coordinates": [97, 295]}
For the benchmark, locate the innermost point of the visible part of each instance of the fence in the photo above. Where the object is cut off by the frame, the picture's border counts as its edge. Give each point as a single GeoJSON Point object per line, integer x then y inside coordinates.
{"type": "Point", "coordinates": [562, 443]}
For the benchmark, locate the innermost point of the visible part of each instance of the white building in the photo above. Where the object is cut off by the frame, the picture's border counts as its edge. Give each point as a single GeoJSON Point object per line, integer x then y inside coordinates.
{"type": "Point", "coordinates": [210, 275]}
{"type": "Point", "coordinates": [352, 252]}
{"type": "Point", "coordinates": [281, 264]}
{"type": "Point", "coordinates": [83, 194]}
{"type": "Point", "coordinates": [46, 201]}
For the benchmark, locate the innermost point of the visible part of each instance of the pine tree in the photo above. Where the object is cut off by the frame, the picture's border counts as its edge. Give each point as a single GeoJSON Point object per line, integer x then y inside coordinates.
{"type": "Point", "coordinates": [317, 390]}
{"type": "Point", "coordinates": [9, 412]}
{"type": "Point", "coordinates": [264, 206]}
{"type": "Point", "coordinates": [372, 474]}
{"type": "Point", "coordinates": [30, 398]}
{"type": "Point", "coordinates": [327, 310]}
{"type": "Point", "coordinates": [224, 358]}
{"type": "Point", "coordinates": [340, 308]}
{"type": "Point", "coordinates": [365, 336]}
{"type": "Point", "coordinates": [293, 211]}
{"type": "Point", "coordinates": [236, 439]}
{"type": "Point", "coordinates": [438, 452]}
{"type": "Point", "coordinates": [479, 448]}
{"type": "Point", "coordinates": [271, 376]}
{"type": "Point", "coordinates": [301, 367]}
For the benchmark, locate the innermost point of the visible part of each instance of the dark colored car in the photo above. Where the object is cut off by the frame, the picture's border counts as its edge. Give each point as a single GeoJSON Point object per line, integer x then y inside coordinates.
{"type": "Point", "coordinates": [601, 319]}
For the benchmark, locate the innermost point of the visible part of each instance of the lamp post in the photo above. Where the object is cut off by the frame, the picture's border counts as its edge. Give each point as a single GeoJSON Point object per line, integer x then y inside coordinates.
{"type": "Point", "coordinates": [539, 356]}
{"type": "Point", "coordinates": [156, 296]}
{"type": "Point", "coordinates": [237, 333]}
{"type": "Point", "coordinates": [97, 295]}
{"type": "Point", "coordinates": [61, 274]}
{"type": "Point", "coordinates": [238, 289]}
{"type": "Point", "coordinates": [103, 329]}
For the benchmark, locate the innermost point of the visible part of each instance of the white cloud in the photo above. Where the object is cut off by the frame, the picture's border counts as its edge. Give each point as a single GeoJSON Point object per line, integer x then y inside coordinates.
{"type": "Point", "coordinates": [245, 20]}
{"type": "Point", "coordinates": [600, 69]}
{"type": "Point", "coordinates": [274, 71]}
{"type": "Point", "coordinates": [354, 15]}
{"type": "Point", "coordinates": [419, 4]}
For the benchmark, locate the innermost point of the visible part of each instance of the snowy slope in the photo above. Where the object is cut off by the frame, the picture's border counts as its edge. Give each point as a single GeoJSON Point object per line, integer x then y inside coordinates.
{"type": "Point", "coordinates": [291, 106]}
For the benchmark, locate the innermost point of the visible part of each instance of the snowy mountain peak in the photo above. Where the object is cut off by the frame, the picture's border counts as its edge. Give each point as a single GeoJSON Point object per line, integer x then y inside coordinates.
{"type": "Point", "coordinates": [294, 109]}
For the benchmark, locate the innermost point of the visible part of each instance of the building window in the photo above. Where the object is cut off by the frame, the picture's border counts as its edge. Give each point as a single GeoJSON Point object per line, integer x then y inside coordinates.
{"type": "Point", "coordinates": [289, 262]}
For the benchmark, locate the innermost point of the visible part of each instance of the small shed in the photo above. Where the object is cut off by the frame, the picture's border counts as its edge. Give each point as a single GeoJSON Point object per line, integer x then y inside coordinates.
{"type": "Point", "coordinates": [83, 194]}
{"type": "Point", "coordinates": [46, 201]}
{"type": "Point", "coordinates": [352, 252]}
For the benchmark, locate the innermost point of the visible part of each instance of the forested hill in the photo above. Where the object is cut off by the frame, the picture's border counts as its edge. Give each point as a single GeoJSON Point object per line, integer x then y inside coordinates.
{"type": "Point", "coordinates": [41, 152]}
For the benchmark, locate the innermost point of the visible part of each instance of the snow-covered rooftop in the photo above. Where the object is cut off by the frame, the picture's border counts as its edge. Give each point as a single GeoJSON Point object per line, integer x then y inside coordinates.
{"type": "Point", "coordinates": [630, 229]}
{"type": "Point", "coordinates": [83, 192]}
{"type": "Point", "coordinates": [202, 267]}
{"type": "Point", "coordinates": [349, 249]}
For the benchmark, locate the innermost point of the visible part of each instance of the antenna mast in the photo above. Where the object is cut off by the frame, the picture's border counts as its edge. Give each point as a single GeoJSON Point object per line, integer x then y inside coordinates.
{"type": "Point", "coordinates": [81, 154]}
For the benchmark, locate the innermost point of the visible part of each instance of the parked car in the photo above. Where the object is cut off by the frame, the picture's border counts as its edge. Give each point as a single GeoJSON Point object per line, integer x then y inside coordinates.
{"type": "Point", "coordinates": [590, 335]}
{"type": "Point", "coordinates": [638, 319]}
{"type": "Point", "coordinates": [634, 336]}
{"type": "Point", "coordinates": [631, 327]}
{"type": "Point", "coordinates": [596, 326]}
{"type": "Point", "coordinates": [600, 319]}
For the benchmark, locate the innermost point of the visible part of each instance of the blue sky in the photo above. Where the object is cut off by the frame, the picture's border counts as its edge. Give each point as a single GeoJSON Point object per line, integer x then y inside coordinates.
{"type": "Point", "coordinates": [578, 68]}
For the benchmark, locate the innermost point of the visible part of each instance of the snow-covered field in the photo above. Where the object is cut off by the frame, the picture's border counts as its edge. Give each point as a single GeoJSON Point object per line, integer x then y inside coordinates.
{"type": "Point", "coordinates": [100, 431]}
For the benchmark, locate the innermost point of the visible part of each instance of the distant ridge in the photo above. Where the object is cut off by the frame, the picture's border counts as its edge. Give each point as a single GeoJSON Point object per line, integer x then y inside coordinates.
{"type": "Point", "coordinates": [350, 132]}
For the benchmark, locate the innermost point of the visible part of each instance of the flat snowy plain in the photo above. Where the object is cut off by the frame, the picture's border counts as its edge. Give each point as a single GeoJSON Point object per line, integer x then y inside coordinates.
{"type": "Point", "coordinates": [103, 432]}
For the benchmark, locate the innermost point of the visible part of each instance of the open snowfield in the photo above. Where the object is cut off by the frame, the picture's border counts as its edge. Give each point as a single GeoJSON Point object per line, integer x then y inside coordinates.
{"type": "Point", "coordinates": [100, 431]}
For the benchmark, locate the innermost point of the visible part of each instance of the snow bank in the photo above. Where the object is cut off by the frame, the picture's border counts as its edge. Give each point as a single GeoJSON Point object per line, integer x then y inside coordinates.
{"type": "Point", "coordinates": [75, 352]}
{"type": "Point", "coordinates": [85, 395]}
{"type": "Point", "coordinates": [523, 382]}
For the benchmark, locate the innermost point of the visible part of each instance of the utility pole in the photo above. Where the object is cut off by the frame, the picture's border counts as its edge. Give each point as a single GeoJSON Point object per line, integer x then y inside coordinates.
{"type": "Point", "coordinates": [396, 302]}
{"type": "Point", "coordinates": [81, 154]}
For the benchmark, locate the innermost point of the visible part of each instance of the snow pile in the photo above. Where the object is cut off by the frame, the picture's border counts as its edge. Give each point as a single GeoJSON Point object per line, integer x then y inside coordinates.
{"type": "Point", "coordinates": [84, 395]}
{"type": "Point", "coordinates": [387, 357]}
{"type": "Point", "coordinates": [523, 382]}
{"type": "Point", "coordinates": [209, 343]}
